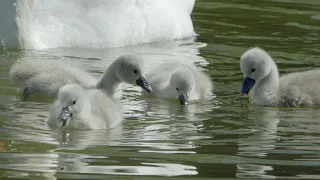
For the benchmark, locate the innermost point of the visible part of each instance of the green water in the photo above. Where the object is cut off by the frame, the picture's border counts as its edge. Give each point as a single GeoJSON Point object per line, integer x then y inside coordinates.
{"type": "Point", "coordinates": [221, 138]}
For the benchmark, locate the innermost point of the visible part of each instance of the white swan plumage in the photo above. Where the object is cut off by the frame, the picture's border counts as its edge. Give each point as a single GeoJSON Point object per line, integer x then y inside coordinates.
{"type": "Point", "coordinates": [91, 24]}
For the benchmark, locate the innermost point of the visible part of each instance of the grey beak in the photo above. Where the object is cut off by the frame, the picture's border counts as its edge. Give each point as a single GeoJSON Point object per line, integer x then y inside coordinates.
{"type": "Point", "coordinates": [65, 115]}
{"type": "Point", "coordinates": [142, 82]}
{"type": "Point", "coordinates": [247, 84]}
{"type": "Point", "coordinates": [26, 93]}
{"type": "Point", "coordinates": [183, 99]}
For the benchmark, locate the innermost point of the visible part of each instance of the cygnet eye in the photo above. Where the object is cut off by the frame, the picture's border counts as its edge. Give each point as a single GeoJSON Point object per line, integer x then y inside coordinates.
{"type": "Point", "coordinates": [177, 89]}
{"type": "Point", "coordinates": [253, 70]}
{"type": "Point", "coordinates": [135, 71]}
{"type": "Point", "coordinates": [71, 114]}
{"type": "Point", "coordinates": [74, 102]}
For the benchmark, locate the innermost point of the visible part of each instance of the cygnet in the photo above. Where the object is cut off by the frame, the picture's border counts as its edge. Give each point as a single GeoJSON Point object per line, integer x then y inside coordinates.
{"type": "Point", "coordinates": [262, 82]}
{"type": "Point", "coordinates": [77, 108]}
{"type": "Point", "coordinates": [179, 81]}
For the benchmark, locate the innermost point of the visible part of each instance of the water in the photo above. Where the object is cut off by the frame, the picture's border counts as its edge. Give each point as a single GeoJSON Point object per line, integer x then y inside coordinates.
{"type": "Point", "coordinates": [221, 138]}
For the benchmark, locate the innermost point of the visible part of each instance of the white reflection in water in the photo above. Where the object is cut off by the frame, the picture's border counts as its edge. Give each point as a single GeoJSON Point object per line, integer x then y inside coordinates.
{"type": "Point", "coordinates": [29, 122]}
{"type": "Point", "coordinates": [260, 142]}
{"type": "Point", "coordinates": [45, 165]}
{"type": "Point", "coordinates": [38, 166]}
{"type": "Point", "coordinates": [254, 171]}
{"type": "Point", "coordinates": [77, 164]}
{"type": "Point", "coordinates": [154, 169]}
{"type": "Point", "coordinates": [299, 124]}
{"type": "Point", "coordinates": [166, 122]}
{"type": "Point", "coordinates": [78, 140]}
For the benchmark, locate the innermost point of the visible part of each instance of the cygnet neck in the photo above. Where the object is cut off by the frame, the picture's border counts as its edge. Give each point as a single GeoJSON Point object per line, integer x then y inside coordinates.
{"type": "Point", "coordinates": [109, 81]}
{"type": "Point", "coordinates": [266, 90]}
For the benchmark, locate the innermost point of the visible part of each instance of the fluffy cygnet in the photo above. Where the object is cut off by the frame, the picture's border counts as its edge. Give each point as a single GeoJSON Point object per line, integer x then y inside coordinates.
{"type": "Point", "coordinates": [78, 108]}
{"type": "Point", "coordinates": [46, 77]}
{"type": "Point", "coordinates": [127, 68]}
{"type": "Point", "coordinates": [261, 78]}
{"type": "Point", "coordinates": [179, 81]}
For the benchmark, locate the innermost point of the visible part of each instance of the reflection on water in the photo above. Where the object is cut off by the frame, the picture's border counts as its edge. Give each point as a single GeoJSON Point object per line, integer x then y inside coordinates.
{"type": "Point", "coordinates": [254, 171]}
{"type": "Point", "coordinates": [259, 143]}
{"type": "Point", "coordinates": [264, 136]}
{"type": "Point", "coordinates": [222, 137]}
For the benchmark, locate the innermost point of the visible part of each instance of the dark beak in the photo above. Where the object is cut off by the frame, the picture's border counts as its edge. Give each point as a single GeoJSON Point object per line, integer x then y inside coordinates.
{"type": "Point", "coordinates": [26, 93]}
{"type": "Point", "coordinates": [64, 116]}
{"type": "Point", "coordinates": [247, 85]}
{"type": "Point", "coordinates": [142, 82]}
{"type": "Point", "coordinates": [183, 99]}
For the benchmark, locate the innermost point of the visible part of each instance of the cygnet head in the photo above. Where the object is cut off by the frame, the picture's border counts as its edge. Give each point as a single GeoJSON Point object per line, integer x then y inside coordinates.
{"type": "Point", "coordinates": [131, 70]}
{"type": "Point", "coordinates": [181, 82]}
{"type": "Point", "coordinates": [256, 64]}
{"type": "Point", "coordinates": [72, 99]}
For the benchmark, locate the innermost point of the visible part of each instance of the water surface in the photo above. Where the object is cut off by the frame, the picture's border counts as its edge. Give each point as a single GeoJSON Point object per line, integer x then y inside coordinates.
{"type": "Point", "coordinates": [223, 137]}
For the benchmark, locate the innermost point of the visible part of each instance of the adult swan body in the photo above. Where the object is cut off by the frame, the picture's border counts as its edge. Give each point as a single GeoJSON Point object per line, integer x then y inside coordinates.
{"type": "Point", "coordinates": [95, 23]}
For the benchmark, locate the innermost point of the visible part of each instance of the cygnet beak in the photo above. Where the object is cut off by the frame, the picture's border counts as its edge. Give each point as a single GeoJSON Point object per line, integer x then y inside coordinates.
{"type": "Point", "coordinates": [142, 82]}
{"type": "Point", "coordinates": [247, 84]}
{"type": "Point", "coordinates": [25, 94]}
{"type": "Point", "coordinates": [65, 115]}
{"type": "Point", "coordinates": [183, 99]}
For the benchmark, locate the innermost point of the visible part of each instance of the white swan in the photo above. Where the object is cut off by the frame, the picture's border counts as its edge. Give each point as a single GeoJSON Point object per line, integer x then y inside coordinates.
{"type": "Point", "coordinates": [45, 77]}
{"type": "Point", "coordinates": [261, 74]}
{"type": "Point", "coordinates": [179, 81]}
{"type": "Point", "coordinates": [90, 24]}
{"type": "Point", "coordinates": [77, 108]}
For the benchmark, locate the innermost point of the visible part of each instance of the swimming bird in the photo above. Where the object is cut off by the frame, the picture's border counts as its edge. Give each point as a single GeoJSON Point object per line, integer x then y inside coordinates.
{"type": "Point", "coordinates": [150, 21]}
{"type": "Point", "coordinates": [77, 108]}
{"type": "Point", "coordinates": [179, 81]}
{"type": "Point", "coordinates": [262, 82]}
{"type": "Point", "coordinates": [45, 77]}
